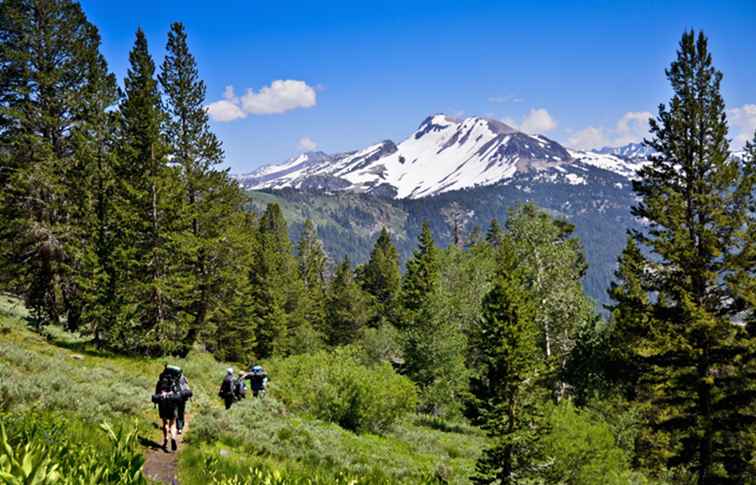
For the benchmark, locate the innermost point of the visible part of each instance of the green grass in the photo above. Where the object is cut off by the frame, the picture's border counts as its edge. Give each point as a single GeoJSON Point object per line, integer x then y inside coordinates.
{"type": "Point", "coordinates": [62, 374]}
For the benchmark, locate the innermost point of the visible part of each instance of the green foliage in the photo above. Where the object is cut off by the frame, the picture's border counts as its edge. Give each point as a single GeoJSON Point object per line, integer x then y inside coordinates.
{"type": "Point", "coordinates": [37, 451]}
{"type": "Point", "coordinates": [381, 278]}
{"type": "Point", "coordinates": [466, 277]}
{"type": "Point", "coordinates": [687, 361]}
{"type": "Point", "coordinates": [550, 263]}
{"type": "Point", "coordinates": [434, 343]}
{"type": "Point", "coordinates": [508, 384]}
{"type": "Point", "coordinates": [147, 252]}
{"type": "Point", "coordinates": [335, 387]}
{"type": "Point", "coordinates": [213, 251]}
{"type": "Point", "coordinates": [580, 448]}
{"type": "Point", "coordinates": [347, 307]}
{"type": "Point", "coordinates": [312, 269]}
{"type": "Point", "coordinates": [263, 434]}
{"type": "Point", "coordinates": [422, 276]}
{"type": "Point", "coordinates": [55, 89]}
{"type": "Point", "coordinates": [276, 286]}
{"type": "Point", "coordinates": [381, 344]}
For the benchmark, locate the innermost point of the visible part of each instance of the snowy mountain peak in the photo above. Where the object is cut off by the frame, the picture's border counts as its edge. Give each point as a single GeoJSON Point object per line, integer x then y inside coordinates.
{"type": "Point", "coordinates": [443, 154]}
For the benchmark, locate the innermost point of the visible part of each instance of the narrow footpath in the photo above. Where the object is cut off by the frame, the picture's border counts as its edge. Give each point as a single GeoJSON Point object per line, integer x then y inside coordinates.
{"type": "Point", "coordinates": [160, 465]}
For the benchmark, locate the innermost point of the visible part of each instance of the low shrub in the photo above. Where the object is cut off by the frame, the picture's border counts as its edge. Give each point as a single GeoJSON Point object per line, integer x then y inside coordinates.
{"type": "Point", "coordinates": [335, 387]}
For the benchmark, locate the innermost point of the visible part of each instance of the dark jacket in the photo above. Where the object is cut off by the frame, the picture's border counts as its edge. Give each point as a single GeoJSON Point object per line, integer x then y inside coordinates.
{"type": "Point", "coordinates": [227, 386]}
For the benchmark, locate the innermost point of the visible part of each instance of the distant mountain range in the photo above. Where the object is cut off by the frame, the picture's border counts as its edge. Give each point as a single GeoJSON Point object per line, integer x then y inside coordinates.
{"type": "Point", "coordinates": [443, 155]}
{"type": "Point", "coordinates": [471, 170]}
{"type": "Point", "coordinates": [631, 151]}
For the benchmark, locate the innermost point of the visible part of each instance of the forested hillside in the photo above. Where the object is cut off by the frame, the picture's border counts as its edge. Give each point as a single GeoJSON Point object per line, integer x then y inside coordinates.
{"type": "Point", "coordinates": [443, 340]}
{"type": "Point", "coordinates": [347, 223]}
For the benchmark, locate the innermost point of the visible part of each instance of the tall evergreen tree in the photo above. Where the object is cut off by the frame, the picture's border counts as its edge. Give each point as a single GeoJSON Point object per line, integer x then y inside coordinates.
{"type": "Point", "coordinates": [94, 140]}
{"type": "Point", "coordinates": [434, 344]}
{"type": "Point", "coordinates": [231, 330]}
{"type": "Point", "coordinates": [211, 199]}
{"type": "Point", "coordinates": [507, 385]}
{"type": "Point", "coordinates": [347, 307]}
{"type": "Point", "coordinates": [312, 267]}
{"type": "Point", "coordinates": [381, 278]}
{"type": "Point", "coordinates": [149, 207]}
{"type": "Point", "coordinates": [49, 61]}
{"type": "Point", "coordinates": [698, 202]}
{"type": "Point", "coordinates": [630, 320]}
{"type": "Point", "coordinates": [422, 276]}
{"type": "Point", "coordinates": [276, 285]}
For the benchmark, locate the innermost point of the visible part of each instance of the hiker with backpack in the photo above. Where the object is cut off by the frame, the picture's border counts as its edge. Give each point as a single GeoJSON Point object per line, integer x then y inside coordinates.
{"type": "Point", "coordinates": [167, 396]}
{"type": "Point", "coordinates": [258, 380]}
{"type": "Point", "coordinates": [240, 388]}
{"type": "Point", "coordinates": [186, 394]}
{"type": "Point", "coordinates": [227, 388]}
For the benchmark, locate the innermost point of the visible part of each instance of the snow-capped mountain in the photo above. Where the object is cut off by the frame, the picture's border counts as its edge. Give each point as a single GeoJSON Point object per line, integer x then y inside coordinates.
{"type": "Point", "coordinates": [444, 154]}
{"type": "Point", "coordinates": [631, 151]}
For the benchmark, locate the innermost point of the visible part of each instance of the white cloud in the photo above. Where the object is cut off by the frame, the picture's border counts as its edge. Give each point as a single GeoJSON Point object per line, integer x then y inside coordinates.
{"type": "Point", "coordinates": [307, 144]}
{"type": "Point", "coordinates": [588, 138]}
{"type": "Point", "coordinates": [632, 127]}
{"type": "Point", "coordinates": [743, 122]}
{"type": "Point", "coordinates": [227, 109]}
{"type": "Point", "coordinates": [538, 120]}
{"type": "Point", "coordinates": [281, 96]}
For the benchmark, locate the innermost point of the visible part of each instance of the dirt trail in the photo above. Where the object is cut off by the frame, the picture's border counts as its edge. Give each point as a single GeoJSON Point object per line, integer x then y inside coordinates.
{"type": "Point", "coordinates": [161, 465]}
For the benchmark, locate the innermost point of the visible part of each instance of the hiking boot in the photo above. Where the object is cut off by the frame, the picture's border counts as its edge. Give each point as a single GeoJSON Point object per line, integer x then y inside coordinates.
{"type": "Point", "coordinates": [173, 444]}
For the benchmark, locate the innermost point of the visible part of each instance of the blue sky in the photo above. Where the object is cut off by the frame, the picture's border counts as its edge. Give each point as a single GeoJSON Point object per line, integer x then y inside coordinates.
{"type": "Point", "coordinates": [342, 75]}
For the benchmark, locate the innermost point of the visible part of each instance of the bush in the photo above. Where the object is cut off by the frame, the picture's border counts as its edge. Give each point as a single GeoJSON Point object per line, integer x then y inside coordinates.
{"type": "Point", "coordinates": [335, 387]}
{"type": "Point", "coordinates": [582, 449]}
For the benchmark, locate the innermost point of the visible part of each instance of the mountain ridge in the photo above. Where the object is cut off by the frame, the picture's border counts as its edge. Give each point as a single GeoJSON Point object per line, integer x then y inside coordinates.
{"type": "Point", "coordinates": [443, 154]}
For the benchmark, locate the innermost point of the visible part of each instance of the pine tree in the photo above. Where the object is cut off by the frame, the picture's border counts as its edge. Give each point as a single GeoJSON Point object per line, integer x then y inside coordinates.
{"type": "Point", "coordinates": [49, 59]}
{"type": "Point", "coordinates": [276, 286]}
{"type": "Point", "coordinates": [94, 141]}
{"type": "Point", "coordinates": [422, 276]}
{"type": "Point", "coordinates": [698, 202]}
{"type": "Point", "coordinates": [347, 309]}
{"type": "Point", "coordinates": [434, 344]}
{"type": "Point", "coordinates": [312, 266]}
{"type": "Point", "coordinates": [231, 330]}
{"type": "Point", "coordinates": [630, 319]}
{"type": "Point", "coordinates": [149, 206]}
{"type": "Point", "coordinates": [381, 278]}
{"type": "Point", "coordinates": [211, 198]}
{"type": "Point", "coordinates": [507, 385]}
{"type": "Point", "coordinates": [494, 234]}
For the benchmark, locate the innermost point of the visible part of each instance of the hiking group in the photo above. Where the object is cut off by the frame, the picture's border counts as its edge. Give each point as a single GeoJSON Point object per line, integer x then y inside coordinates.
{"type": "Point", "coordinates": [172, 391]}
{"type": "Point", "coordinates": [232, 390]}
